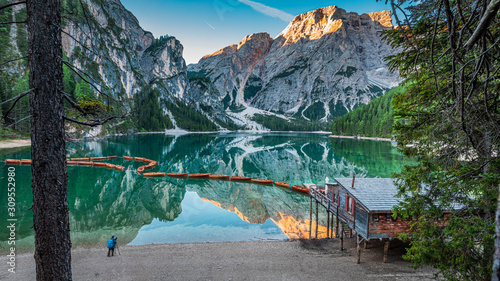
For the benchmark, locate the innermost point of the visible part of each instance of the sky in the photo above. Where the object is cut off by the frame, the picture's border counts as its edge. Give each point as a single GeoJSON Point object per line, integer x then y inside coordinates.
{"type": "Point", "coordinates": [205, 26]}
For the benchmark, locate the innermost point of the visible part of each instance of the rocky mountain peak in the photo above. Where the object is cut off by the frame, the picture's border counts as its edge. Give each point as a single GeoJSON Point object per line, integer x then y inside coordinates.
{"type": "Point", "coordinates": [315, 24]}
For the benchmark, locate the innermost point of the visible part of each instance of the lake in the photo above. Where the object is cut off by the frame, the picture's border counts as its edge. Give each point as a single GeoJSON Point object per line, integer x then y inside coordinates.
{"type": "Point", "coordinates": [104, 202]}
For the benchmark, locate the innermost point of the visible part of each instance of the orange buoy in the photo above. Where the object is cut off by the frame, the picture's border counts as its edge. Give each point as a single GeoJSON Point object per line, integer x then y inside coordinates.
{"type": "Point", "coordinates": [141, 159]}
{"type": "Point", "coordinates": [219, 177]}
{"type": "Point", "coordinates": [128, 158]}
{"type": "Point", "coordinates": [264, 181]}
{"type": "Point", "coordinates": [177, 175]}
{"type": "Point", "coordinates": [80, 159]}
{"type": "Point", "coordinates": [12, 161]}
{"type": "Point", "coordinates": [119, 168]}
{"type": "Point", "coordinates": [112, 157]}
{"type": "Point", "coordinates": [154, 174]}
{"type": "Point", "coordinates": [82, 163]}
{"type": "Point", "coordinates": [99, 164]}
{"type": "Point", "coordinates": [199, 175]}
{"type": "Point", "coordinates": [97, 158]}
{"type": "Point", "coordinates": [241, 178]}
{"type": "Point", "coordinates": [147, 160]}
{"type": "Point", "coordinates": [25, 161]}
{"type": "Point", "coordinates": [140, 170]}
{"type": "Point", "coordinates": [283, 184]}
{"type": "Point", "coordinates": [300, 188]}
{"type": "Point", "coordinates": [112, 166]}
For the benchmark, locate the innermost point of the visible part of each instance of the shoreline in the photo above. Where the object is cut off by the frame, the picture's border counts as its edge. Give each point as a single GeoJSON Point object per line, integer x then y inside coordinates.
{"type": "Point", "coordinates": [361, 138]}
{"type": "Point", "coordinates": [15, 143]}
{"type": "Point", "coordinates": [254, 260]}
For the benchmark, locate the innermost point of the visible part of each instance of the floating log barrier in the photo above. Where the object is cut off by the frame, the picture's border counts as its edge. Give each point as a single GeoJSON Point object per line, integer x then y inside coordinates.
{"type": "Point", "coordinates": [300, 188]}
{"type": "Point", "coordinates": [96, 164]}
{"type": "Point", "coordinates": [111, 166]}
{"type": "Point", "coordinates": [119, 168]}
{"type": "Point", "coordinates": [283, 184]}
{"type": "Point", "coordinates": [12, 161]}
{"type": "Point", "coordinates": [97, 158]}
{"type": "Point", "coordinates": [128, 158]}
{"type": "Point", "coordinates": [199, 175]}
{"type": "Point", "coordinates": [263, 181]}
{"type": "Point", "coordinates": [139, 159]}
{"type": "Point", "coordinates": [80, 159]}
{"type": "Point", "coordinates": [25, 162]}
{"type": "Point", "coordinates": [177, 175]}
{"type": "Point", "coordinates": [71, 162]}
{"type": "Point", "coordinates": [140, 170]}
{"type": "Point", "coordinates": [154, 175]}
{"type": "Point", "coordinates": [82, 163]}
{"type": "Point", "coordinates": [112, 157]}
{"type": "Point", "coordinates": [237, 178]}
{"type": "Point", "coordinates": [219, 177]}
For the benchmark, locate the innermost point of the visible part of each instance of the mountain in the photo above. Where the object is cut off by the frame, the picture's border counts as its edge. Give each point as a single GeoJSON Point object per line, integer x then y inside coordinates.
{"type": "Point", "coordinates": [324, 64]}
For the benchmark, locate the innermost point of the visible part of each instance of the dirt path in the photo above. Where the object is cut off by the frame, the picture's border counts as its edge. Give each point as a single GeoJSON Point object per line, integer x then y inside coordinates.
{"type": "Point", "coordinates": [297, 260]}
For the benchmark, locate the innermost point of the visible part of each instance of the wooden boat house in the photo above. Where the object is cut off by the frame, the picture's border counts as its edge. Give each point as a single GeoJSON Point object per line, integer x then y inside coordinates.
{"type": "Point", "coordinates": [364, 206]}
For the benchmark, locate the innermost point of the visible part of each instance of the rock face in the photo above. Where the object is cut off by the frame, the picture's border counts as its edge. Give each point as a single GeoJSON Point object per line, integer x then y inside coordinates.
{"type": "Point", "coordinates": [325, 63]}
{"type": "Point", "coordinates": [116, 49]}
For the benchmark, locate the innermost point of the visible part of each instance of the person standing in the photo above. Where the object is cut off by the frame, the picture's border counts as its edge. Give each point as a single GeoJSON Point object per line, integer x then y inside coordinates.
{"type": "Point", "coordinates": [112, 245]}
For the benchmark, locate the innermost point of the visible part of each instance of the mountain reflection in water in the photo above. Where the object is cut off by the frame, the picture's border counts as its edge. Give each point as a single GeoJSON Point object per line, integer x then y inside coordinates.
{"type": "Point", "coordinates": [107, 202]}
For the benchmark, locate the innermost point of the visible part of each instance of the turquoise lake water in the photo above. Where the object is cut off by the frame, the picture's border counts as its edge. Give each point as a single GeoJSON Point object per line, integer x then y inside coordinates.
{"type": "Point", "coordinates": [140, 211]}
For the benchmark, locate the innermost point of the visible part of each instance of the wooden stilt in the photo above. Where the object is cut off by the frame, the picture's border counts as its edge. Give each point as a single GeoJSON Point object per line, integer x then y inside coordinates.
{"type": "Point", "coordinates": [317, 220]}
{"type": "Point", "coordinates": [310, 216]}
{"type": "Point", "coordinates": [327, 224]}
{"type": "Point", "coordinates": [331, 232]}
{"type": "Point", "coordinates": [341, 237]}
{"type": "Point", "coordinates": [366, 245]}
{"type": "Point", "coordinates": [358, 243]}
{"type": "Point", "coordinates": [350, 232]}
{"type": "Point", "coordinates": [386, 249]}
{"type": "Point", "coordinates": [337, 223]}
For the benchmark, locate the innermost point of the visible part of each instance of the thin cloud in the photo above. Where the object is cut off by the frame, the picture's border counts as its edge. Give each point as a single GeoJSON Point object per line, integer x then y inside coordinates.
{"type": "Point", "coordinates": [269, 11]}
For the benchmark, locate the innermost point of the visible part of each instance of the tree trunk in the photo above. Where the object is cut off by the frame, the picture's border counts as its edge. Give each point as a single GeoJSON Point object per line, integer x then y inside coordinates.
{"type": "Point", "coordinates": [496, 257]}
{"type": "Point", "coordinates": [48, 150]}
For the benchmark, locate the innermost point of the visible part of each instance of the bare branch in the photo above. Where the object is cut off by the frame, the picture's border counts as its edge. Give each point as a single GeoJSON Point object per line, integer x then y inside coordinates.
{"type": "Point", "coordinates": [94, 123]}
{"type": "Point", "coordinates": [74, 104]}
{"type": "Point", "coordinates": [20, 121]}
{"type": "Point", "coordinates": [77, 41]}
{"type": "Point", "coordinates": [489, 15]}
{"type": "Point", "coordinates": [77, 72]}
{"type": "Point", "coordinates": [18, 96]}
{"type": "Point", "coordinates": [12, 22]}
{"type": "Point", "coordinates": [13, 60]}
{"type": "Point", "coordinates": [12, 4]}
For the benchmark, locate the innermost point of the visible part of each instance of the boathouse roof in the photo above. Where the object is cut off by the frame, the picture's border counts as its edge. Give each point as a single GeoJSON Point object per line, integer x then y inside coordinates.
{"type": "Point", "coordinates": [375, 194]}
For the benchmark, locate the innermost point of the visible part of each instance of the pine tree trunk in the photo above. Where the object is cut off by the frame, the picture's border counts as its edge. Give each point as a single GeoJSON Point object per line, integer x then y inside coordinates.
{"type": "Point", "coordinates": [48, 151]}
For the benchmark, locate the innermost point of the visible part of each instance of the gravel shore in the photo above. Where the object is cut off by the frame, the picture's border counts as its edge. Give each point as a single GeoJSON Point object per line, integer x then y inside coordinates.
{"type": "Point", "coordinates": [262, 260]}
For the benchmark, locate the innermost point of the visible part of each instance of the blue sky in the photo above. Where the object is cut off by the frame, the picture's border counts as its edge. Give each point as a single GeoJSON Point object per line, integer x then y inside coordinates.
{"type": "Point", "coordinates": [205, 26]}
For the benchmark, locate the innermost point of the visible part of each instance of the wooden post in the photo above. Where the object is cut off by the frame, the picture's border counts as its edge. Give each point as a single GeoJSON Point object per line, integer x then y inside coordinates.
{"type": "Point", "coordinates": [337, 223]}
{"type": "Point", "coordinates": [327, 224]}
{"type": "Point", "coordinates": [350, 232]}
{"type": "Point", "coordinates": [317, 220]}
{"type": "Point", "coordinates": [310, 216]}
{"type": "Point", "coordinates": [386, 249]}
{"type": "Point", "coordinates": [366, 245]}
{"type": "Point", "coordinates": [341, 237]}
{"type": "Point", "coordinates": [358, 243]}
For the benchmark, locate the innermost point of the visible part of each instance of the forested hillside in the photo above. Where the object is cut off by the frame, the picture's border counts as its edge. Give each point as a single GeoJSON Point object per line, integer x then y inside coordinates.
{"type": "Point", "coordinates": [370, 120]}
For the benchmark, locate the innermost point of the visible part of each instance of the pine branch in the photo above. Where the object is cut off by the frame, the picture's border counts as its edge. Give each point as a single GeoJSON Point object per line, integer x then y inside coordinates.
{"type": "Point", "coordinates": [13, 22]}
{"type": "Point", "coordinates": [94, 123]}
{"type": "Point", "coordinates": [20, 121]}
{"type": "Point", "coordinates": [76, 71]}
{"type": "Point", "coordinates": [12, 4]}
{"type": "Point", "coordinates": [9, 61]}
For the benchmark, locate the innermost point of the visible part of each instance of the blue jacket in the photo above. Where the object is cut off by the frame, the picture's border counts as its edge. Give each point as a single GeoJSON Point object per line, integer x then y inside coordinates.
{"type": "Point", "coordinates": [112, 243]}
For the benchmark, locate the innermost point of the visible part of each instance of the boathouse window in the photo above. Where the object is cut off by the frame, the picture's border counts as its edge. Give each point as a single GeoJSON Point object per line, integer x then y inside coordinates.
{"type": "Point", "coordinates": [349, 207]}
{"type": "Point", "coordinates": [388, 217]}
{"type": "Point", "coordinates": [375, 217]}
